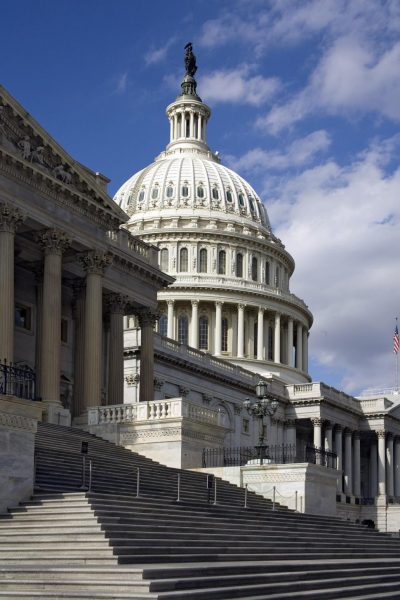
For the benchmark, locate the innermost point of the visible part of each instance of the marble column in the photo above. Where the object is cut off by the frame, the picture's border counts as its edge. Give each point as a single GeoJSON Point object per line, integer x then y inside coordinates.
{"type": "Point", "coordinates": [147, 321]}
{"type": "Point", "coordinates": [290, 342]}
{"type": "Point", "coordinates": [397, 466]}
{"type": "Point", "coordinates": [348, 462]}
{"type": "Point", "coordinates": [328, 436]}
{"type": "Point", "coordinates": [305, 350]}
{"type": "Point", "coordinates": [78, 314]}
{"type": "Point", "coordinates": [260, 334]}
{"type": "Point", "coordinates": [339, 453]}
{"type": "Point", "coordinates": [356, 464]}
{"type": "Point", "coordinates": [199, 128]}
{"type": "Point", "coordinates": [381, 462]}
{"type": "Point", "coordinates": [277, 338]}
{"type": "Point", "coordinates": [94, 263]}
{"type": "Point", "coordinates": [389, 466]}
{"type": "Point", "coordinates": [117, 305]}
{"type": "Point", "coordinates": [195, 324]}
{"type": "Point", "coordinates": [218, 328]}
{"type": "Point", "coordinates": [240, 335]}
{"type": "Point", "coordinates": [299, 347]}
{"type": "Point", "coordinates": [373, 469]}
{"type": "Point", "coordinates": [170, 319]}
{"type": "Point", "coordinates": [317, 423]}
{"type": "Point", "coordinates": [53, 243]}
{"type": "Point", "coordinates": [290, 436]}
{"type": "Point", "coordinates": [10, 219]}
{"type": "Point", "coordinates": [191, 123]}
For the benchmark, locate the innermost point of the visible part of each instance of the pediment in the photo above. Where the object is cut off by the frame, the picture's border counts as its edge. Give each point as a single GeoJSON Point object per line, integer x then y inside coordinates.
{"type": "Point", "coordinates": [24, 140]}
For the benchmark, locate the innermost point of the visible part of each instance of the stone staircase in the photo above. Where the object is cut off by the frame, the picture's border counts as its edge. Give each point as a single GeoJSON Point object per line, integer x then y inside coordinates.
{"type": "Point", "coordinates": [110, 543]}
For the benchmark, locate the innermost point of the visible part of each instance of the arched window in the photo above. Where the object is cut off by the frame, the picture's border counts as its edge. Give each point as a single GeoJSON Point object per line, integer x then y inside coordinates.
{"type": "Point", "coordinates": [164, 259]}
{"type": "Point", "coordinates": [170, 191]}
{"type": "Point", "coordinates": [203, 333]}
{"type": "Point", "coordinates": [224, 335]}
{"type": "Point", "coordinates": [251, 205]}
{"type": "Point", "coordinates": [241, 200]}
{"type": "Point", "coordinates": [229, 197]}
{"type": "Point", "coordinates": [239, 265]}
{"type": "Point", "coordinates": [183, 329]}
{"type": "Point", "coordinates": [203, 261]}
{"type": "Point", "coordinates": [221, 262]}
{"type": "Point", "coordinates": [163, 325]}
{"type": "Point", "coordinates": [185, 190]}
{"type": "Point", "coordinates": [154, 193]}
{"type": "Point", "coordinates": [183, 260]}
{"type": "Point", "coordinates": [200, 191]}
{"type": "Point", "coordinates": [267, 273]}
{"type": "Point", "coordinates": [141, 196]}
{"type": "Point", "coordinates": [215, 193]}
{"type": "Point", "coordinates": [277, 277]}
{"type": "Point", "coordinates": [254, 269]}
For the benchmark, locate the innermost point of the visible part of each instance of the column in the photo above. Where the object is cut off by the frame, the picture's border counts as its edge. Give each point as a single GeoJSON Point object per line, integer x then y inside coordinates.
{"type": "Point", "coordinates": [290, 342]}
{"type": "Point", "coordinates": [317, 423]}
{"type": "Point", "coordinates": [94, 263]}
{"type": "Point", "coordinates": [277, 338]}
{"type": "Point", "coordinates": [183, 124]}
{"type": "Point", "coordinates": [170, 319]}
{"type": "Point", "coordinates": [305, 350]}
{"type": "Point", "coordinates": [171, 129]}
{"type": "Point", "coordinates": [397, 466]}
{"type": "Point", "coordinates": [79, 344]}
{"type": "Point", "coordinates": [218, 328]}
{"type": "Point", "coordinates": [328, 436]}
{"type": "Point", "coordinates": [373, 469]}
{"type": "Point", "coordinates": [290, 438]}
{"type": "Point", "coordinates": [389, 467]}
{"type": "Point", "coordinates": [147, 321]}
{"type": "Point", "coordinates": [348, 462]}
{"type": "Point", "coordinates": [191, 124]}
{"type": "Point", "coordinates": [53, 243]}
{"type": "Point", "coordinates": [10, 219]}
{"type": "Point", "coordinates": [195, 324]}
{"type": "Point", "coordinates": [357, 464]}
{"type": "Point", "coordinates": [260, 334]}
{"type": "Point", "coordinates": [240, 338]}
{"type": "Point", "coordinates": [299, 347]}
{"type": "Point", "coordinates": [339, 453]}
{"type": "Point", "coordinates": [381, 463]}
{"type": "Point", "coordinates": [116, 304]}
{"type": "Point", "coordinates": [200, 127]}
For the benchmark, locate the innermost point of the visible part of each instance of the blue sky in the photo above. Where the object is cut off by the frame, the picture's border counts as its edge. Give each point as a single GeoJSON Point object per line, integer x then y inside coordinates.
{"type": "Point", "coordinates": [306, 106]}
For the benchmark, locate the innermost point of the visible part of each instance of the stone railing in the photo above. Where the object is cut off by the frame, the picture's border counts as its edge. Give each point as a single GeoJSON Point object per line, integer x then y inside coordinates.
{"type": "Point", "coordinates": [317, 389]}
{"type": "Point", "coordinates": [374, 392]}
{"type": "Point", "coordinates": [125, 241]}
{"type": "Point", "coordinates": [158, 410]}
{"type": "Point", "coordinates": [371, 405]}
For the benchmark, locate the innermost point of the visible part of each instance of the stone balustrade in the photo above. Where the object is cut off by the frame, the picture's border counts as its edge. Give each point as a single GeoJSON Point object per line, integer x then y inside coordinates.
{"type": "Point", "coordinates": [125, 241]}
{"type": "Point", "coordinates": [317, 389]}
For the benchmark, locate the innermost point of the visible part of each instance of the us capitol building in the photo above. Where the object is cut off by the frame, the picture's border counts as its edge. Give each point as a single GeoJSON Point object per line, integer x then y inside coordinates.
{"type": "Point", "coordinates": [149, 318]}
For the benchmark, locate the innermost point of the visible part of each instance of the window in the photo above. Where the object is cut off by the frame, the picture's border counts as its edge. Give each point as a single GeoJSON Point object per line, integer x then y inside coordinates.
{"type": "Point", "coordinates": [154, 193]}
{"type": "Point", "coordinates": [170, 191]}
{"type": "Point", "coordinates": [229, 197]}
{"type": "Point", "coordinates": [254, 269]}
{"type": "Point", "coordinates": [183, 330]}
{"type": "Point", "coordinates": [277, 277]}
{"type": "Point", "coordinates": [64, 331]}
{"type": "Point", "coordinates": [222, 262]}
{"type": "Point", "coordinates": [200, 192]}
{"type": "Point", "coordinates": [187, 128]}
{"type": "Point", "coordinates": [224, 335]}
{"type": "Point", "coordinates": [203, 333]}
{"type": "Point", "coordinates": [215, 193]}
{"type": "Point", "coordinates": [267, 273]}
{"type": "Point", "coordinates": [183, 260]}
{"type": "Point", "coordinates": [141, 196]}
{"type": "Point", "coordinates": [255, 339]}
{"type": "Point", "coordinates": [23, 317]}
{"type": "Point", "coordinates": [203, 261]}
{"type": "Point", "coordinates": [185, 190]}
{"type": "Point", "coordinates": [241, 200]}
{"type": "Point", "coordinates": [270, 343]}
{"type": "Point", "coordinates": [239, 265]}
{"type": "Point", "coordinates": [252, 206]}
{"type": "Point", "coordinates": [164, 259]}
{"type": "Point", "coordinates": [246, 426]}
{"type": "Point", "coordinates": [163, 325]}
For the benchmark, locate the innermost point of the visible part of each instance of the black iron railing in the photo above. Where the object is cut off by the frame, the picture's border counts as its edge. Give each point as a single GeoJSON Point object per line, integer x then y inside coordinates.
{"type": "Point", "coordinates": [268, 454]}
{"type": "Point", "coordinates": [17, 381]}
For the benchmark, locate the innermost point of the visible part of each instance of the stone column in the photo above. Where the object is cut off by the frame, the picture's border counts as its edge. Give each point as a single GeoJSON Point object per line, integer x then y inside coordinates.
{"type": "Point", "coordinates": [240, 338]}
{"type": "Point", "coordinates": [328, 436]}
{"type": "Point", "coordinates": [260, 334]}
{"type": "Point", "coordinates": [191, 123]}
{"type": "Point", "coordinates": [290, 342]}
{"type": "Point", "coordinates": [218, 328]}
{"type": "Point", "coordinates": [117, 305]}
{"type": "Point", "coordinates": [290, 437]}
{"type": "Point", "coordinates": [277, 338]}
{"type": "Point", "coordinates": [317, 423]}
{"type": "Point", "coordinates": [79, 344]}
{"type": "Point", "coordinates": [53, 243]}
{"type": "Point", "coordinates": [357, 464]}
{"type": "Point", "coordinates": [10, 219]}
{"type": "Point", "coordinates": [381, 463]}
{"type": "Point", "coordinates": [389, 466]}
{"type": "Point", "coordinates": [397, 466]}
{"type": "Point", "coordinates": [373, 469]}
{"type": "Point", "coordinates": [94, 263]}
{"type": "Point", "coordinates": [305, 350]}
{"type": "Point", "coordinates": [170, 319]}
{"type": "Point", "coordinates": [339, 453]}
{"type": "Point", "coordinates": [147, 321]}
{"type": "Point", "coordinates": [199, 128]}
{"type": "Point", "coordinates": [348, 464]}
{"type": "Point", "coordinates": [299, 347]}
{"type": "Point", "coordinates": [195, 324]}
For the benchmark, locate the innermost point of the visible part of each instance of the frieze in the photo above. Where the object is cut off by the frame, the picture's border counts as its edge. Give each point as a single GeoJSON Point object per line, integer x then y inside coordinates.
{"type": "Point", "coordinates": [17, 422]}
{"type": "Point", "coordinates": [272, 477]}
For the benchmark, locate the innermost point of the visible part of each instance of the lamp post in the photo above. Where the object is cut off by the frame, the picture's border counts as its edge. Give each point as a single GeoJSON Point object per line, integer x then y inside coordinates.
{"type": "Point", "coordinates": [265, 406]}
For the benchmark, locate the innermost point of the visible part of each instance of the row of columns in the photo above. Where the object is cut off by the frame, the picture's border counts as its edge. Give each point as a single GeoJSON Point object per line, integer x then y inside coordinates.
{"type": "Point", "coordinates": [297, 359]}
{"type": "Point", "coordinates": [178, 125]}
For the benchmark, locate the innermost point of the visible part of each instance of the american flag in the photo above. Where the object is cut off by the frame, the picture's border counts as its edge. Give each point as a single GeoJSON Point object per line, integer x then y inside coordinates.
{"type": "Point", "coordinates": [396, 340]}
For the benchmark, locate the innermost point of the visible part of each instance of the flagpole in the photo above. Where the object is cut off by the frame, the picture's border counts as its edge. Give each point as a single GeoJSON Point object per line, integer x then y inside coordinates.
{"type": "Point", "coordinates": [396, 354]}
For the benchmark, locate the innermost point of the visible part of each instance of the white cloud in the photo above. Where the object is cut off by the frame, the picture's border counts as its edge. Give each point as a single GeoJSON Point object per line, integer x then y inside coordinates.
{"type": "Point", "coordinates": [122, 83]}
{"type": "Point", "coordinates": [342, 225]}
{"type": "Point", "coordinates": [156, 55]}
{"type": "Point", "coordinates": [237, 86]}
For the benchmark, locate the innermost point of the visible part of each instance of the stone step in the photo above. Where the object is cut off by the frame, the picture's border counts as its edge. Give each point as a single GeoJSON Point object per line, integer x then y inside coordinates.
{"type": "Point", "coordinates": [121, 572]}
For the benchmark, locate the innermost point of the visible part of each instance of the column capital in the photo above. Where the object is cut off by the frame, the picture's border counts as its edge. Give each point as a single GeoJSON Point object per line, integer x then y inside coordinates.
{"type": "Point", "coordinates": [261, 309]}
{"type": "Point", "coordinates": [218, 303]}
{"type": "Point", "coordinates": [10, 217]}
{"type": "Point", "coordinates": [95, 261]}
{"type": "Point", "coordinates": [348, 432]}
{"type": "Point", "coordinates": [357, 435]}
{"type": "Point", "coordinates": [53, 241]}
{"type": "Point", "coordinates": [117, 303]}
{"type": "Point", "coordinates": [329, 425]}
{"type": "Point", "coordinates": [338, 428]}
{"type": "Point", "coordinates": [171, 302]}
{"type": "Point", "coordinates": [241, 306]}
{"type": "Point", "coordinates": [317, 421]}
{"type": "Point", "coordinates": [194, 302]}
{"type": "Point", "coordinates": [290, 422]}
{"type": "Point", "coordinates": [381, 433]}
{"type": "Point", "coordinates": [158, 383]}
{"type": "Point", "coordinates": [146, 317]}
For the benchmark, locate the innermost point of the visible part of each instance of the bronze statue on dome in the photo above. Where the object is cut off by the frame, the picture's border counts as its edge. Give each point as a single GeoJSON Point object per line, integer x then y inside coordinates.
{"type": "Point", "coordinates": [190, 60]}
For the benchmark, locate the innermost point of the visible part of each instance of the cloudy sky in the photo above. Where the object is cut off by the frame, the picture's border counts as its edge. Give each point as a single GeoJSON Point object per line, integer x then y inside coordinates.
{"type": "Point", "coordinates": [306, 106]}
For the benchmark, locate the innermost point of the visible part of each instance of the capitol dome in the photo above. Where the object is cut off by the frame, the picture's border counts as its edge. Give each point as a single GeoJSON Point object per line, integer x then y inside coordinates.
{"type": "Point", "coordinates": [231, 292]}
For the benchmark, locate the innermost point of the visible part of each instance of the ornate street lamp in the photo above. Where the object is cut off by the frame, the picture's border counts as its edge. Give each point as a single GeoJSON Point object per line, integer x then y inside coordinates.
{"type": "Point", "coordinates": [265, 406]}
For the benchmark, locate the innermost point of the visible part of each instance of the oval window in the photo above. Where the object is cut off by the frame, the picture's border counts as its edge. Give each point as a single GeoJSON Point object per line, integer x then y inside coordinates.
{"type": "Point", "coordinates": [141, 196]}
{"type": "Point", "coordinates": [200, 192]}
{"type": "Point", "coordinates": [185, 191]}
{"type": "Point", "coordinates": [154, 193]}
{"type": "Point", "coordinates": [241, 199]}
{"type": "Point", "coordinates": [229, 197]}
{"type": "Point", "coordinates": [215, 194]}
{"type": "Point", "coordinates": [170, 191]}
